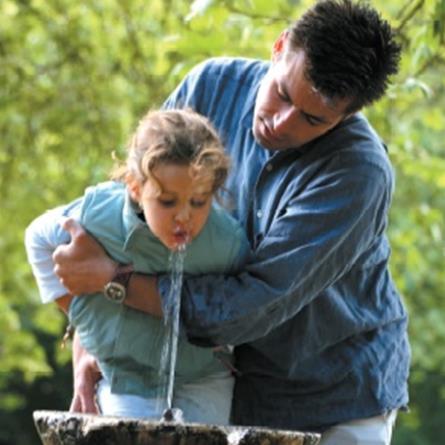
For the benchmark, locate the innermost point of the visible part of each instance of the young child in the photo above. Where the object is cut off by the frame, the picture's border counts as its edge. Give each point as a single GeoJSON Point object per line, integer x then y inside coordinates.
{"type": "Point", "coordinates": [161, 198]}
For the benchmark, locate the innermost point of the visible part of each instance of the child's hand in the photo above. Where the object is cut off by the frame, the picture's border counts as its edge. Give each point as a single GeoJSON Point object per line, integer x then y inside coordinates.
{"type": "Point", "coordinates": [82, 265]}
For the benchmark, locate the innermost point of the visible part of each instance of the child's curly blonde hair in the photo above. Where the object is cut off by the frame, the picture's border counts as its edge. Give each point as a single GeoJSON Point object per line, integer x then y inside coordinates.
{"type": "Point", "coordinates": [177, 136]}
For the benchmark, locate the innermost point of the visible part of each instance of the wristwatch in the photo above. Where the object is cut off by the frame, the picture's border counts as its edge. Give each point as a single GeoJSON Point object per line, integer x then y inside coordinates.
{"type": "Point", "coordinates": [116, 289]}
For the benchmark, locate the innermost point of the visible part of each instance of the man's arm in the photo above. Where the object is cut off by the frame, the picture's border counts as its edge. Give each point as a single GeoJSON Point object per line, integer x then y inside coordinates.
{"type": "Point", "coordinates": [322, 234]}
{"type": "Point", "coordinates": [303, 252]}
{"type": "Point", "coordinates": [324, 231]}
{"type": "Point", "coordinates": [89, 276]}
{"type": "Point", "coordinates": [84, 267]}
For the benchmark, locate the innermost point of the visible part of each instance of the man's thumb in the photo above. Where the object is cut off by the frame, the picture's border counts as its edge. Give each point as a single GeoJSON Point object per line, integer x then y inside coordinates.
{"type": "Point", "coordinates": [71, 226]}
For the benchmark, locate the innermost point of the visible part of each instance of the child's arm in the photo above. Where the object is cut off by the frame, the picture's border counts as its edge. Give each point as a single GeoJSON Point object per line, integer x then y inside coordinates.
{"type": "Point", "coordinates": [42, 237]}
{"type": "Point", "coordinates": [86, 374]}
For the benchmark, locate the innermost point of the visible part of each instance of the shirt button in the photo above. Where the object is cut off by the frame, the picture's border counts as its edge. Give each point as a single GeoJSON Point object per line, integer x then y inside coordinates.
{"type": "Point", "coordinates": [259, 213]}
{"type": "Point", "coordinates": [269, 167]}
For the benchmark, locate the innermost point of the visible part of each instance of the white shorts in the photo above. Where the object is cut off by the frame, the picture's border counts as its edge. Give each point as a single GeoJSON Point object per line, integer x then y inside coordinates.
{"type": "Point", "coordinates": [207, 401]}
{"type": "Point", "coordinates": [371, 431]}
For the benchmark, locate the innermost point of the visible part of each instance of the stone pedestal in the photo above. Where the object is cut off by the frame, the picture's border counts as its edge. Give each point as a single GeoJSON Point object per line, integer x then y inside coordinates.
{"type": "Point", "coordinates": [63, 428]}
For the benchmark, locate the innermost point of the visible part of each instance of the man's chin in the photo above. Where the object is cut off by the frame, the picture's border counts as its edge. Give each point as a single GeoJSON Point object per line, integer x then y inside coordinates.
{"type": "Point", "coordinates": [265, 143]}
{"type": "Point", "coordinates": [269, 144]}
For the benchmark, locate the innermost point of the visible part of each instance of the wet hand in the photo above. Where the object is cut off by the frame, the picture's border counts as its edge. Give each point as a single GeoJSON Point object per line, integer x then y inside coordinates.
{"type": "Point", "coordinates": [82, 265]}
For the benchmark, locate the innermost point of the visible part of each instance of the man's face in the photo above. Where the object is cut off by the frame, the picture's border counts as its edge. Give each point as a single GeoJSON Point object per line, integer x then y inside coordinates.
{"type": "Point", "coordinates": [289, 112]}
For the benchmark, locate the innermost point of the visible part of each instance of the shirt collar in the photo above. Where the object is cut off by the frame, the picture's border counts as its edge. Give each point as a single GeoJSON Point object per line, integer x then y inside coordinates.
{"type": "Point", "coordinates": [249, 104]}
{"type": "Point", "coordinates": [132, 222]}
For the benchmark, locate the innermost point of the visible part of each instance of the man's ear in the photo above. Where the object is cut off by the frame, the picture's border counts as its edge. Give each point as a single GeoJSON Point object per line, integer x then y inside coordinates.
{"type": "Point", "coordinates": [134, 187]}
{"type": "Point", "coordinates": [278, 46]}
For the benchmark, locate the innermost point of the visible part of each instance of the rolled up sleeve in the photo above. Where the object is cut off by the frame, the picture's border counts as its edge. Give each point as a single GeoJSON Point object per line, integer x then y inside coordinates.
{"type": "Point", "coordinates": [42, 237]}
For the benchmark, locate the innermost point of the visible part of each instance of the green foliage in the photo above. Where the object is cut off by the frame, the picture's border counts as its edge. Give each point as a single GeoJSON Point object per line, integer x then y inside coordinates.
{"type": "Point", "coordinates": [76, 76]}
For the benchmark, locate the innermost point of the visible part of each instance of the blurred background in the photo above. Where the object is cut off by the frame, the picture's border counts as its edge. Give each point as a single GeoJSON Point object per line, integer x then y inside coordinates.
{"type": "Point", "coordinates": [74, 79]}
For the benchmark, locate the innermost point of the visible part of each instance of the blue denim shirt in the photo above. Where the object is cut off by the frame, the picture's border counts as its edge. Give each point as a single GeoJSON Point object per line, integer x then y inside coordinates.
{"type": "Point", "coordinates": [320, 329]}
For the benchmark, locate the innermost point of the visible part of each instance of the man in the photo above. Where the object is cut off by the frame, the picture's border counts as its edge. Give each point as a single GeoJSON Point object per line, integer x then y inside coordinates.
{"type": "Point", "coordinates": [319, 328]}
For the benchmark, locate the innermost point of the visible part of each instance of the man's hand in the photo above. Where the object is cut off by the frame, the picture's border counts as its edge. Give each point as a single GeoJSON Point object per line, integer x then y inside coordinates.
{"type": "Point", "coordinates": [82, 265]}
{"type": "Point", "coordinates": [86, 375]}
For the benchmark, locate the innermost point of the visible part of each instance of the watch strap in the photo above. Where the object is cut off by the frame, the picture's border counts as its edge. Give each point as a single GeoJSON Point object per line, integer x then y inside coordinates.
{"type": "Point", "coordinates": [122, 276]}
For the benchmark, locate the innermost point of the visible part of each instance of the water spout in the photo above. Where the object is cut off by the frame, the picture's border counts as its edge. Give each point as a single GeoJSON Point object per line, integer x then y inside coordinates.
{"type": "Point", "coordinates": [172, 415]}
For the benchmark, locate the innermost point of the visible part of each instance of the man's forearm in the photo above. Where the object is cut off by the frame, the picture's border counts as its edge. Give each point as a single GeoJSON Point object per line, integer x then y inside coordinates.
{"type": "Point", "coordinates": [84, 267]}
{"type": "Point", "coordinates": [143, 295]}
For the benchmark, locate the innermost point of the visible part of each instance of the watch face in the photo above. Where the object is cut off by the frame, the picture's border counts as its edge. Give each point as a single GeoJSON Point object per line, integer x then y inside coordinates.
{"type": "Point", "coordinates": [115, 292]}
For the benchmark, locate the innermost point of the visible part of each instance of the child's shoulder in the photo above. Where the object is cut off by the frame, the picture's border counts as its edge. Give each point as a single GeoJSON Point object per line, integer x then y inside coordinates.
{"type": "Point", "coordinates": [103, 201]}
{"type": "Point", "coordinates": [220, 243]}
{"type": "Point", "coordinates": [221, 220]}
{"type": "Point", "coordinates": [107, 188]}
{"type": "Point", "coordinates": [103, 193]}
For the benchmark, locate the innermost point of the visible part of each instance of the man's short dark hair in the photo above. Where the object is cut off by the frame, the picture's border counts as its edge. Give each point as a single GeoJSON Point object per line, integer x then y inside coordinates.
{"type": "Point", "coordinates": [351, 51]}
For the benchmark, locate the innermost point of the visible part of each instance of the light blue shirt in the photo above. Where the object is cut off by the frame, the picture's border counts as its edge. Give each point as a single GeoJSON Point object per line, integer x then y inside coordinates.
{"type": "Point", "coordinates": [320, 327]}
{"type": "Point", "coordinates": [127, 342]}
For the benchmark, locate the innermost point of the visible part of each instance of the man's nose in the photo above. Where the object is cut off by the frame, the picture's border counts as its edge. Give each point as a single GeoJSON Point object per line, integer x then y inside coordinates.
{"type": "Point", "coordinates": [283, 120]}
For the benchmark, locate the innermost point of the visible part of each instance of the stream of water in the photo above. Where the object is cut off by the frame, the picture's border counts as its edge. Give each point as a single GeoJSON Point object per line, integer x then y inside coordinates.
{"type": "Point", "coordinates": [171, 321]}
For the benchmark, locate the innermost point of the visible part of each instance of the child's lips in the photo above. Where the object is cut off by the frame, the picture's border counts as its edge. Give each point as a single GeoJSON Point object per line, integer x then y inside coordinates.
{"type": "Point", "coordinates": [181, 236]}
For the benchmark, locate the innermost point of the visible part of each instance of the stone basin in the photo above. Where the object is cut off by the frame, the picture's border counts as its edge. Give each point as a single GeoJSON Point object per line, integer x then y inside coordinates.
{"type": "Point", "coordinates": [64, 428]}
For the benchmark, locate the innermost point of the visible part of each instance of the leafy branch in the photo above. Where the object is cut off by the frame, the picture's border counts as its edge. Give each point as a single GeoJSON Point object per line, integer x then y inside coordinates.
{"type": "Point", "coordinates": [434, 60]}
{"type": "Point", "coordinates": [229, 5]}
{"type": "Point", "coordinates": [407, 12]}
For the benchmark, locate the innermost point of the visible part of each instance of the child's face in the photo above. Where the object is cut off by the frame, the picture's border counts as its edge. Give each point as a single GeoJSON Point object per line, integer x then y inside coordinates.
{"type": "Point", "coordinates": [176, 213]}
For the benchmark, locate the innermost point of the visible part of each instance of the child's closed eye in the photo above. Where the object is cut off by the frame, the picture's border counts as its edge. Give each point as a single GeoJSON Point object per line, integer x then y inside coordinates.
{"type": "Point", "coordinates": [197, 203]}
{"type": "Point", "coordinates": [168, 203]}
